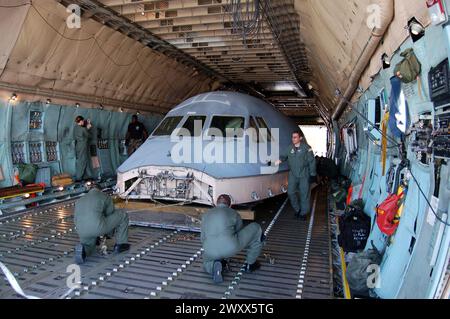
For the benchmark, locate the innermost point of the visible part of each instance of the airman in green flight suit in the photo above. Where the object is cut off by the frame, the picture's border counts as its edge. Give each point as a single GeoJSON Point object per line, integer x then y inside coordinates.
{"type": "Point", "coordinates": [302, 165]}
{"type": "Point", "coordinates": [223, 236]}
{"type": "Point", "coordinates": [81, 135]}
{"type": "Point", "coordinates": [95, 216]}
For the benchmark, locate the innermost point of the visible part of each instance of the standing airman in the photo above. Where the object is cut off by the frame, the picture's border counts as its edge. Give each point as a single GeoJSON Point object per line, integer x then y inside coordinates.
{"type": "Point", "coordinates": [302, 165]}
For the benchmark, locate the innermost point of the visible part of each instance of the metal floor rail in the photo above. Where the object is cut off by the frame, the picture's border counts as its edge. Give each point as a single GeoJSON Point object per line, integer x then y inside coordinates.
{"type": "Point", "coordinates": [38, 246]}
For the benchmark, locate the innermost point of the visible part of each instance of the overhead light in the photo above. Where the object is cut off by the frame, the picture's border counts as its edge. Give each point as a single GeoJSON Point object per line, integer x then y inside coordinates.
{"type": "Point", "coordinates": [143, 13]}
{"type": "Point", "coordinates": [13, 97]}
{"type": "Point", "coordinates": [27, 195]}
{"type": "Point", "coordinates": [48, 101]}
{"type": "Point", "coordinates": [337, 92]}
{"type": "Point", "coordinates": [416, 29]}
{"type": "Point", "coordinates": [101, 107]}
{"type": "Point", "coordinates": [138, 113]}
{"type": "Point", "coordinates": [282, 86]}
{"type": "Point", "coordinates": [121, 110]}
{"type": "Point", "coordinates": [77, 105]}
{"type": "Point", "coordinates": [386, 61]}
{"type": "Point", "coordinates": [60, 188]}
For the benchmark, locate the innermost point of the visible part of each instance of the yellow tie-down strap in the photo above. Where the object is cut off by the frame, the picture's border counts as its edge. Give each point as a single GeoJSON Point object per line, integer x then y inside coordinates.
{"type": "Point", "coordinates": [21, 194]}
{"type": "Point", "coordinates": [347, 293]}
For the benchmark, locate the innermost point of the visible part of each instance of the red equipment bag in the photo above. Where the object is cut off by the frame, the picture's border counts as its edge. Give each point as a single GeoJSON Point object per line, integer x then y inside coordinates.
{"type": "Point", "coordinates": [387, 219]}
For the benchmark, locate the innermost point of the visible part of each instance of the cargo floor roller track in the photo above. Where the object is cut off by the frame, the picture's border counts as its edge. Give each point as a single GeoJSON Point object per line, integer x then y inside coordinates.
{"type": "Point", "coordinates": [37, 247]}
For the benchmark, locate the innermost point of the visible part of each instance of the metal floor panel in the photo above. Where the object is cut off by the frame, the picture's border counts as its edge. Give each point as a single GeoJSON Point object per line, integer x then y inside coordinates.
{"type": "Point", "coordinates": [37, 246]}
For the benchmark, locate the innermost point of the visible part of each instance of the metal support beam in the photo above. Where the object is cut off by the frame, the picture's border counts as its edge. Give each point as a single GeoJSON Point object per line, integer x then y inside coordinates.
{"type": "Point", "coordinates": [80, 98]}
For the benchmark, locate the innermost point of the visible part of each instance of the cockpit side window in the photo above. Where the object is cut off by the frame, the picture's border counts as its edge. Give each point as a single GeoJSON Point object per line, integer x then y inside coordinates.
{"type": "Point", "coordinates": [263, 125]}
{"type": "Point", "coordinates": [252, 125]}
{"type": "Point", "coordinates": [167, 126]}
{"type": "Point", "coordinates": [222, 123]}
{"type": "Point", "coordinates": [190, 124]}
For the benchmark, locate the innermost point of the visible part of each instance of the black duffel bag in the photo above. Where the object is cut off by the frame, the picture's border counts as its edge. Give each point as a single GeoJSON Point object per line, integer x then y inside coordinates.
{"type": "Point", "coordinates": [354, 228]}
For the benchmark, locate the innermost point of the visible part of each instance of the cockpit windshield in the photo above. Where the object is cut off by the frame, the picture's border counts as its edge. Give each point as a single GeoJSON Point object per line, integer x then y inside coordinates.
{"type": "Point", "coordinates": [262, 125]}
{"type": "Point", "coordinates": [167, 126]}
{"type": "Point", "coordinates": [191, 123]}
{"type": "Point", "coordinates": [224, 123]}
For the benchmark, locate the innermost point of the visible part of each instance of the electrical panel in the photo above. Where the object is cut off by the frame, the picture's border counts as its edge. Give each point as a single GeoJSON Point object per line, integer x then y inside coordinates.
{"type": "Point", "coordinates": [51, 150]}
{"type": "Point", "coordinates": [439, 83]}
{"type": "Point", "coordinates": [18, 152]}
{"type": "Point", "coordinates": [103, 144]}
{"type": "Point", "coordinates": [441, 144]}
{"type": "Point", "coordinates": [36, 120]}
{"type": "Point", "coordinates": [421, 133]}
{"type": "Point", "coordinates": [35, 151]}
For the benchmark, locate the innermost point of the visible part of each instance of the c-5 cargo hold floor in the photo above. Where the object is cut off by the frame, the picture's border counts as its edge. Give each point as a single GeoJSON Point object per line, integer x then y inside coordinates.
{"type": "Point", "coordinates": [37, 247]}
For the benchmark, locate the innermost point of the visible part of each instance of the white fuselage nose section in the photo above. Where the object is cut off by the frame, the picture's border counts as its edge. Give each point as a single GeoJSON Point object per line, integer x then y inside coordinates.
{"type": "Point", "coordinates": [187, 185]}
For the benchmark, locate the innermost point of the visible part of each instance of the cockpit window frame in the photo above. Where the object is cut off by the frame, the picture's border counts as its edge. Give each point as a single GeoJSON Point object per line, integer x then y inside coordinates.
{"type": "Point", "coordinates": [211, 119]}
{"type": "Point", "coordinates": [188, 116]}
{"type": "Point", "coordinates": [250, 119]}
{"type": "Point", "coordinates": [160, 124]}
{"type": "Point", "coordinates": [269, 131]}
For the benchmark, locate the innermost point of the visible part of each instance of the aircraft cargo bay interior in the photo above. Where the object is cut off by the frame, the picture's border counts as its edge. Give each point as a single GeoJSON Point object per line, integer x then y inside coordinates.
{"type": "Point", "coordinates": [225, 150]}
